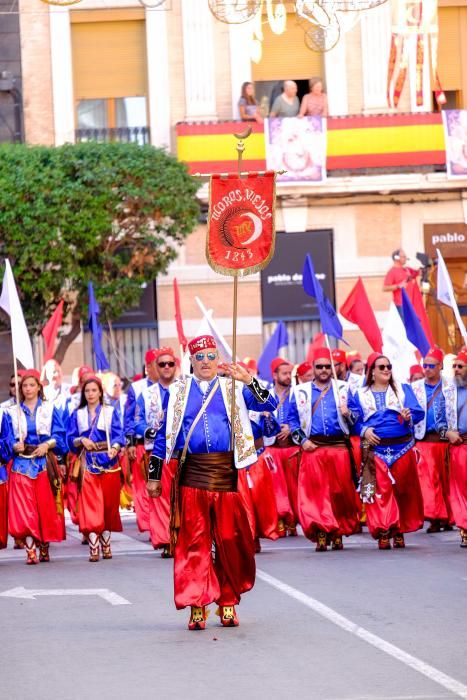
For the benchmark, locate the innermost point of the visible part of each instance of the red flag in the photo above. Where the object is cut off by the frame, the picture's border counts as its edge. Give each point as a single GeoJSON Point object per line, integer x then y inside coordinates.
{"type": "Point", "coordinates": [178, 318]}
{"type": "Point", "coordinates": [317, 342]}
{"type": "Point", "coordinates": [415, 296]}
{"type": "Point", "coordinates": [241, 230]}
{"type": "Point", "coordinates": [357, 309]}
{"type": "Point", "coordinates": [50, 331]}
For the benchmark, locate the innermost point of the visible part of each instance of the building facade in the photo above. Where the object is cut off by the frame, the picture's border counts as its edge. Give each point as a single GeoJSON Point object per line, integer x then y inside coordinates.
{"type": "Point", "coordinates": [121, 70]}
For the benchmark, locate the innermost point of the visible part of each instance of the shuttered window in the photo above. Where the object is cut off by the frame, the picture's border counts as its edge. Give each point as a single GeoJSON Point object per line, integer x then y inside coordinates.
{"type": "Point", "coordinates": [449, 47]}
{"type": "Point", "coordinates": [109, 59]}
{"type": "Point", "coordinates": [286, 56]}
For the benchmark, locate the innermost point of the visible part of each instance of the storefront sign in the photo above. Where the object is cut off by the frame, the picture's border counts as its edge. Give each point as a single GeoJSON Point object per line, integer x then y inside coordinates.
{"type": "Point", "coordinates": [451, 239]}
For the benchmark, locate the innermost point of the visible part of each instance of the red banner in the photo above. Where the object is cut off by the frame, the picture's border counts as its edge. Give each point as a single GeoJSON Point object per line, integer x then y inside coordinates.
{"type": "Point", "coordinates": [241, 228]}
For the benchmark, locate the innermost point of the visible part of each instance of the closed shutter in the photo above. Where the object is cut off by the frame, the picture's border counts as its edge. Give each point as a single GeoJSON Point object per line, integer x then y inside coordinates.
{"type": "Point", "coordinates": [109, 59]}
{"type": "Point", "coordinates": [449, 48]}
{"type": "Point", "coordinates": [286, 56]}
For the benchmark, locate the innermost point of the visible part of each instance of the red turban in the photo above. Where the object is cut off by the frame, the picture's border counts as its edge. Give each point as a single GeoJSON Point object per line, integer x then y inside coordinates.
{"type": "Point", "coordinates": [462, 356]}
{"type": "Point", "coordinates": [251, 364]}
{"type": "Point", "coordinates": [202, 342]}
{"type": "Point", "coordinates": [371, 359]}
{"type": "Point", "coordinates": [28, 373]}
{"type": "Point", "coordinates": [416, 369]}
{"type": "Point", "coordinates": [436, 353]}
{"type": "Point", "coordinates": [322, 354]}
{"type": "Point", "coordinates": [84, 370]}
{"type": "Point", "coordinates": [137, 377]}
{"type": "Point", "coordinates": [92, 378]}
{"type": "Point", "coordinates": [339, 356]}
{"type": "Point", "coordinates": [304, 368]}
{"type": "Point", "coordinates": [164, 350]}
{"type": "Point", "coordinates": [277, 362]}
{"type": "Point", "coordinates": [150, 355]}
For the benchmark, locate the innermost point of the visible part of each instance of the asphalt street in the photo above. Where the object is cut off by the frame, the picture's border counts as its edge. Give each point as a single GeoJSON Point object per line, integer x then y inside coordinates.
{"type": "Point", "coordinates": [353, 625]}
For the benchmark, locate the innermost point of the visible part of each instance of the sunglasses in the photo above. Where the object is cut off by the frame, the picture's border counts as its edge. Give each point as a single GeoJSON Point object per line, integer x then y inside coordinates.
{"type": "Point", "coordinates": [323, 366]}
{"type": "Point", "coordinates": [12, 384]}
{"type": "Point", "coordinates": [199, 357]}
{"type": "Point", "coordinates": [166, 364]}
{"type": "Point", "coordinates": [458, 365]}
{"type": "Point", "coordinates": [428, 365]}
{"type": "Point", "coordinates": [383, 367]}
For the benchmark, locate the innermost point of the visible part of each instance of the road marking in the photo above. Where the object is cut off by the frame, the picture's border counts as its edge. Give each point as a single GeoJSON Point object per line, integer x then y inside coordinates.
{"type": "Point", "coordinates": [336, 618]}
{"type": "Point", "coordinates": [31, 594]}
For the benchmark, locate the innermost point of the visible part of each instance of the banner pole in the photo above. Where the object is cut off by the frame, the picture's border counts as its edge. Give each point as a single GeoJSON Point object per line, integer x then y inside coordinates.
{"type": "Point", "coordinates": [240, 148]}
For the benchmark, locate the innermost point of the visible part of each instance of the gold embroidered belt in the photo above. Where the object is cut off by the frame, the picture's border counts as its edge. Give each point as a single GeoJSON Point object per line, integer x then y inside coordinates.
{"type": "Point", "coordinates": [213, 471]}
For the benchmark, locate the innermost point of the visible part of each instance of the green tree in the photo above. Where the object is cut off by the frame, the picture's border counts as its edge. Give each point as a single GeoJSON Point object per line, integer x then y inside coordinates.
{"type": "Point", "coordinates": [111, 213]}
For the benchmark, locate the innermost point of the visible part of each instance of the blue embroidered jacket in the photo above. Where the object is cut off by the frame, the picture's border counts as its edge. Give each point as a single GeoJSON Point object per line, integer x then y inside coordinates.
{"type": "Point", "coordinates": [96, 462]}
{"type": "Point", "coordinates": [32, 467]}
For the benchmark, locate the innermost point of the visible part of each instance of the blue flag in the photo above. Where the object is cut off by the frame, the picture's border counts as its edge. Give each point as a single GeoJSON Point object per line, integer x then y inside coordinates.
{"type": "Point", "coordinates": [95, 327]}
{"type": "Point", "coordinates": [413, 327]}
{"type": "Point", "coordinates": [329, 320]}
{"type": "Point", "coordinates": [278, 340]}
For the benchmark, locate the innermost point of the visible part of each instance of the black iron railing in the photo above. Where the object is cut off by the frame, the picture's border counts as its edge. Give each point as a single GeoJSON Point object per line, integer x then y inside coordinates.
{"type": "Point", "coordinates": [130, 134]}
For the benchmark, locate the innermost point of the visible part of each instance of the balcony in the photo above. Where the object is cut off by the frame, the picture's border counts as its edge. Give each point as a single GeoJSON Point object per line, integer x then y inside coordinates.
{"type": "Point", "coordinates": [355, 145]}
{"type": "Point", "coordinates": [133, 134]}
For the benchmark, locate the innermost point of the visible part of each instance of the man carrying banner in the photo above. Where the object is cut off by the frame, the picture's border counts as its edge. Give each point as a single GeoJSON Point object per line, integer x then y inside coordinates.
{"type": "Point", "coordinates": [432, 471]}
{"type": "Point", "coordinates": [148, 417]}
{"type": "Point", "coordinates": [452, 424]}
{"type": "Point", "coordinates": [318, 420]}
{"type": "Point", "coordinates": [206, 506]}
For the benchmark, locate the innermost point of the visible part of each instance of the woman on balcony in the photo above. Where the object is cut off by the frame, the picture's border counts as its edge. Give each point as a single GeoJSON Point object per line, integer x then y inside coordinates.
{"type": "Point", "coordinates": [95, 433]}
{"type": "Point", "coordinates": [315, 103]}
{"type": "Point", "coordinates": [247, 105]}
{"type": "Point", "coordinates": [385, 413]}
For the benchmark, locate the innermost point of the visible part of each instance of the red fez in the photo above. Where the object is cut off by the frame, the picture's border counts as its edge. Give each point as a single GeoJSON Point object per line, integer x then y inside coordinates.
{"type": "Point", "coordinates": [21, 373]}
{"type": "Point", "coordinates": [339, 356]}
{"type": "Point", "coordinates": [202, 342]}
{"type": "Point", "coordinates": [352, 356]}
{"type": "Point", "coordinates": [164, 350]}
{"type": "Point", "coordinates": [322, 354]}
{"type": "Point", "coordinates": [137, 377]}
{"type": "Point", "coordinates": [150, 355]}
{"type": "Point", "coordinates": [251, 364]}
{"type": "Point", "coordinates": [416, 369]}
{"type": "Point", "coordinates": [84, 370]}
{"type": "Point", "coordinates": [436, 353]}
{"type": "Point", "coordinates": [304, 368]}
{"type": "Point", "coordinates": [371, 359]}
{"type": "Point", "coordinates": [277, 362]}
{"type": "Point", "coordinates": [28, 373]}
{"type": "Point", "coordinates": [92, 378]}
{"type": "Point", "coordinates": [462, 356]}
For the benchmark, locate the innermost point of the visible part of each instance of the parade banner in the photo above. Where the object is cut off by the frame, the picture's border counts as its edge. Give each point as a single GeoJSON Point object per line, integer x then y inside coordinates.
{"type": "Point", "coordinates": [241, 223]}
{"type": "Point", "coordinates": [298, 146]}
{"type": "Point", "coordinates": [455, 136]}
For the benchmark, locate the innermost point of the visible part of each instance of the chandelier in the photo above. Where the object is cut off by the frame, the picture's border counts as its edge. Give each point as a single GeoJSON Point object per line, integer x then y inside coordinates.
{"type": "Point", "coordinates": [323, 21]}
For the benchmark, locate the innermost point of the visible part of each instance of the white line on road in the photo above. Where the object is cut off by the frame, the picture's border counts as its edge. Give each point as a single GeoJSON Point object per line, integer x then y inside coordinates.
{"type": "Point", "coordinates": [31, 594]}
{"type": "Point", "coordinates": [336, 618]}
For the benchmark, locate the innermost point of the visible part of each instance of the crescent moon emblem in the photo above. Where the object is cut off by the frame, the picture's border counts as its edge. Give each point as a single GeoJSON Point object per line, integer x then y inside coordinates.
{"type": "Point", "coordinates": [258, 227]}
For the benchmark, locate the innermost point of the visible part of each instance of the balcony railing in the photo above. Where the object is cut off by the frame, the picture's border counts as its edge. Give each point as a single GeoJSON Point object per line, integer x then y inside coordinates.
{"type": "Point", "coordinates": [355, 144]}
{"type": "Point", "coordinates": [130, 134]}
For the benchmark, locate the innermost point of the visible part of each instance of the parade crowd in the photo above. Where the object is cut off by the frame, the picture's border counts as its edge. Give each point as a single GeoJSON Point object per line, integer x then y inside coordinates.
{"type": "Point", "coordinates": [333, 445]}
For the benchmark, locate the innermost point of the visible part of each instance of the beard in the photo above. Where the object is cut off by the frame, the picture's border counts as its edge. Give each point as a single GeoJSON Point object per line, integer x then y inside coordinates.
{"type": "Point", "coordinates": [461, 381]}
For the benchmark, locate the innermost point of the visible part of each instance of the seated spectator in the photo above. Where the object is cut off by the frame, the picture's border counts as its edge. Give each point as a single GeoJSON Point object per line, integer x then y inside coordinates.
{"type": "Point", "coordinates": [247, 105]}
{"type": "Point", "coordinates": [315, 103]}
{"type": "Point", "coordinates": [287, 104]}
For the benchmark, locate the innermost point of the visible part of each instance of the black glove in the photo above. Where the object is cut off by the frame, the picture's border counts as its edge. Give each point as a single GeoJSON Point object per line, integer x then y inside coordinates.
{"type": "Point", "coordinates": [155, 468]}
{"type": "Point", "coordinates": [150, 433]}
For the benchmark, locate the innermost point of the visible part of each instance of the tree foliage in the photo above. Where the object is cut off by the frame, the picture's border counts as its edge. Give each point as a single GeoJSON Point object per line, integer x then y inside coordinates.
{"type": "Point", "coordinates": [111, 213]}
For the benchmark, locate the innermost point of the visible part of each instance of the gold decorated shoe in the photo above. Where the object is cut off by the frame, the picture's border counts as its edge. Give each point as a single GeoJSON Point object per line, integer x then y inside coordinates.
{"type": "Point", "coordinates": [321, 542]}
{"type": "Point", "coordinates": [227, 615]}
{"type": "Point", "coordinates": [337, 542]}
{"type": "Point", "coordinates": [463, 538]}
{"type": "Point", "coordinates": [198, 618]}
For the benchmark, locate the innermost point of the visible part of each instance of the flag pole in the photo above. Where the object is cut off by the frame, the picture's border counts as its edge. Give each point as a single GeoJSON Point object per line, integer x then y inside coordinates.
{"type": "Point", "coordinates": [334, 373]}
{"type": "Point", "coordinates": [18, 407]}
{"type": "Point", "coordinates": [240, 148]}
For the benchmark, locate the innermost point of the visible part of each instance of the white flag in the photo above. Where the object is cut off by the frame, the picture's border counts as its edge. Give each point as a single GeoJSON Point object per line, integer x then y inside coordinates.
{"type": "Point", "coordinates": [222, 345]}
{"type": "Point", "coordinates": [445, 293]}
{"type": "Point", "coordinates": [9, 302]}
{"type": "Point", "coordinates": [397, 347]}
